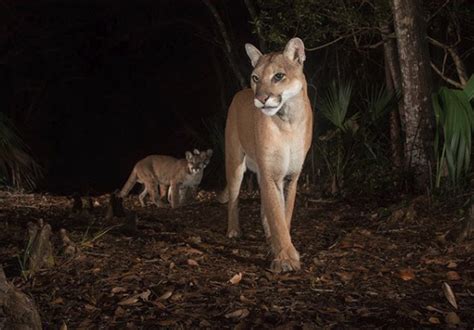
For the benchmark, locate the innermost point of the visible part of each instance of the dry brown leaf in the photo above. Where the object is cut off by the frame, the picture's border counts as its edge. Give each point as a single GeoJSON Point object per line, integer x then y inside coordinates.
{"type": "Point", "coordinates": [118, 289]}
{"type": "Point", "coordinates": [245, 300]}
{"type": "Point", "coordinates": [449, 294]}
{"type": "Point", "coordinates": [165, 295]}
{"type": "Point", "coordinates": [119, 312]}
{"type": "Point", "coordinates": [58, 301]}
{"type": "Point", "coordinates": [134, 299]}
{"type": "Point", "coordinates": [407, 274]}
{"type": "Point", "coordinates": [434, 320]}
{"type": "Point", "coordinates": [63, 326]}
{"type": "Point", "coordinates": [192, 262]}
{"type": "Point", "coordinates": [89, 307]}
{"type": "Point", "coordinates": [452, 318]}
{"type": "Point", "coordinates": [238, 314]}
{"type": "Point", "coordinates": [344, 276]}
{"type": "Point", "coordinates": [453, 276]}
{"type": "Point", "coordinates": [452, 265]}
{"type": "Point", "coordinates": [236, 278]}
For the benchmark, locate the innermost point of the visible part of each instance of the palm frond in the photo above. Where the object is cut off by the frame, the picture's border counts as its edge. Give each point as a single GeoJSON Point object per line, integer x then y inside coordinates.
{"type": "Point", "coordinates": [17, 166]}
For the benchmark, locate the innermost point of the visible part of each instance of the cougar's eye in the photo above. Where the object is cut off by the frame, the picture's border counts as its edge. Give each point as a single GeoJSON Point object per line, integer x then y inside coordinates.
{"type": "Point", "coordinates": [278, 76]}
{"type": "Point", "coordinates": [254, 78]}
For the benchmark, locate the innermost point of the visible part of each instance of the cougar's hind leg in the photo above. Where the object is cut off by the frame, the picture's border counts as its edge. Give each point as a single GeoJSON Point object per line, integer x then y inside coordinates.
{"type": "Point", "coordinates": [235, 169]}
{"type": "Point", "coordinates": [142, 196]}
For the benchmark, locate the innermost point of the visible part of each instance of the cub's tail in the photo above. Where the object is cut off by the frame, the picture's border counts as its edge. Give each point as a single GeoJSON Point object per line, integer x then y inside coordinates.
{"type": "Point", "coordinates": [223, 196]}
{"type": "Point", "coordinates": [132, 179]}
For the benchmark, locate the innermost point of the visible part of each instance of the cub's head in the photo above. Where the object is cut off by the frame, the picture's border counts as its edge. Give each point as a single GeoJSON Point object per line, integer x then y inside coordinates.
{"type": "Point", "coordinates": [198, 160]}
{"type": "Point", "coordinates": [276, 77]}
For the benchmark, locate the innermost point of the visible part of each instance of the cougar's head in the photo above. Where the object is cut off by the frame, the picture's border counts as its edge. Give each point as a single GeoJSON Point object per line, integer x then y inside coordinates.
{"type": "Point", "coordinates": [198, 160]}
{"type": "Point", "coordinates": [276, 77]}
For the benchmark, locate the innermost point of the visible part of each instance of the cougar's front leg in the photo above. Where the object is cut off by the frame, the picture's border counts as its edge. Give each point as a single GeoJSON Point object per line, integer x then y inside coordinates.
{"type": "Point", "coordinates": [290, 196]}
{"type": "Point", "coordinates": [286, 258]}
{"type": "Point", "coordinates": [174, 192]}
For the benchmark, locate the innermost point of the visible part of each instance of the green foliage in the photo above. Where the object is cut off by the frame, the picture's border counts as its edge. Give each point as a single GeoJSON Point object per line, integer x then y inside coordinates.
{"type": "Point", "coordinates": [454, 127]}
{"type": "Point", "coordinates": [17, 166]}
{"type": "Point", "coordinates": [318, 21]}
{"type": "Point", "coordinates": [354, 137]}
{"type": "Point", "coordinates": [337, 145]}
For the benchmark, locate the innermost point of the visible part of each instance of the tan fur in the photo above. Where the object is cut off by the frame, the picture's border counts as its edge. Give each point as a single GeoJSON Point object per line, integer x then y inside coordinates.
{"type": "Point", "coordinates": [166, 172]}
{"type": "Point", "coordinates": [269, 131]}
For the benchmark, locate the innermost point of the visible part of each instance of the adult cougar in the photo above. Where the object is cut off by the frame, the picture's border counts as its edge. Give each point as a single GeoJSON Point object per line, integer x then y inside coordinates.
{"type": "Point", "coordinates": [167, 171]}
{"type": "Point", "coordinates": [269, 131]}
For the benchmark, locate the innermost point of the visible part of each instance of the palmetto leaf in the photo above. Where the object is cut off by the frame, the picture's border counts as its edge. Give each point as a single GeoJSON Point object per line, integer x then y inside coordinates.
{"type": "Point", "coordinates": [379, 102]}
{"type": "Point", "coordinates": [469, 89]}
{"type": "Point", "coordinates": [455, 123]}
{"type": "Point", "coordinates": [16, 163]}
{"type": "Point", "coordinates": [335, 103]}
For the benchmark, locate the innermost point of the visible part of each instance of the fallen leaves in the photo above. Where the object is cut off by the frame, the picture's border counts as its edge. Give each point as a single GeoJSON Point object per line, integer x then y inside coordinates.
{"type": "Point", "coordinates": [452, 318]}
{"type": "Point", "coordinates": [449, 294]}
{"type": "Point", "coordinates": [238, 314]}
{"type": "Point", "coordinates": [192, 262]}
{"type": "Point", "coordinates": [453, 276]}
{"type": "Point", "coordinates": [236, 279]}
{"type": "Point", "coordinates": [407, 274]}
{"type": "Point", "coordinates": [135, 298]}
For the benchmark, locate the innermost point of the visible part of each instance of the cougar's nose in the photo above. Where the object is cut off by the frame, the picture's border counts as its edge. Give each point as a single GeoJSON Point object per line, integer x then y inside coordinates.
{"type": "Point", "coordinates": [262, 97]}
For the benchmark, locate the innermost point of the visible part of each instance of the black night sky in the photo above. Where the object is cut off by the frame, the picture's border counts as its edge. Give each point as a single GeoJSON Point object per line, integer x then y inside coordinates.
{"type": "Point", "coordinates": [97, 85]}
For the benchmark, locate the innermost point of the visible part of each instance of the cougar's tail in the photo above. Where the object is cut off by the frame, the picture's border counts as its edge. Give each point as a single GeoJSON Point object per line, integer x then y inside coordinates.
{"type": "Point", "coordinates": [223, 196]}
{"type": "Point", "coordinates": [132, 179]}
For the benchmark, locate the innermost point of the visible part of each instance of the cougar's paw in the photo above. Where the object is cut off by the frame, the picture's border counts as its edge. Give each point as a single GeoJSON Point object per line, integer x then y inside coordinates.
{"type": "Point", "coordinates": [287, 260]}
{"type": "Point", "coordinates": [233, 233]}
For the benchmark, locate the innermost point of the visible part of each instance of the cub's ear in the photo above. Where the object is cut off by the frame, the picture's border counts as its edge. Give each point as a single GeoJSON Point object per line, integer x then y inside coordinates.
{"type": "Point", "coordinates": [189, 155]}
{"type": "Point", "coordinates": [209, 153]}
{"type": "Point", "coordinates": [294, 50]}
{"type": "Point", "coordinates": [253, 53]}
{"type": "Point", "coordinates": [196, 152]}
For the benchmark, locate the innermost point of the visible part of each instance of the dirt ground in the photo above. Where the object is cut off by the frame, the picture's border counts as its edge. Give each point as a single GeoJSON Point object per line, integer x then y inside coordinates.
{"type": "Point", "coordinates": [365, 263]}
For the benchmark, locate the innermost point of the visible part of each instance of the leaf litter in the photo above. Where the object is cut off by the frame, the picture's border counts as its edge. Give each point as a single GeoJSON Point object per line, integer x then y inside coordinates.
{"type": "Point", "coordinates": [180, 270]}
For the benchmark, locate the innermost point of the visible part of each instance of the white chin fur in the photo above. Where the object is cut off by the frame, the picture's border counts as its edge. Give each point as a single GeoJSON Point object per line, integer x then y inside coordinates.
{"type": "Point", "coordinates": [270, 111]}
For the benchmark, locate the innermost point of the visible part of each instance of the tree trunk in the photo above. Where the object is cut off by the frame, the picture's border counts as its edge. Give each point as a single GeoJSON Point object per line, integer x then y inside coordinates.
{"type": "Point", "coordinates": [227, 44]}
{"type": "Point", "coordinates": [253, 15]}
{"type": "Point", "coordinates": [392, 79]}
{"type": "Point", "coordinates": [17, 310]}
{"type": "Point", "coordinates": [416, 89]}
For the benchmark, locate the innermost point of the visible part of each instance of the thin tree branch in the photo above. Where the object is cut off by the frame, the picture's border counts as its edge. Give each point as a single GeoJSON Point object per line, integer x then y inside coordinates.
{"type": "Point", "coordinates": [227, 43]}
{"type": "Point", "coordinates": [362, 30]}
{"type": "Point", "coordinates": [460, 68]}
{"type": "Point", "coordinates": [445, 78]}
{"type": "Point", "coordinates": [438, 10]}
{"type": "Point", "coordinates": [254, 17]}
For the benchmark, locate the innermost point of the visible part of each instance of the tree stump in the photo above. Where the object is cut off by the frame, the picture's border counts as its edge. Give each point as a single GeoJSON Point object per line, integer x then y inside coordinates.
{"type": "Point", "coordinates": [115, 207]}
{"type": "Point", "coordinates": [76, 204]}
{"type": "Point", "coordinates": [17, 310]}
{"type": "Point", "coordinates": [39, 249]}
{"type": "Point", "coordinates": [69, 247]}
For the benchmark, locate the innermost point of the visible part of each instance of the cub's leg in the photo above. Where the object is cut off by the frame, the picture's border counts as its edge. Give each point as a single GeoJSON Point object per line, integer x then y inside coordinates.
{"type": "Point", "coordinates": [142, 196]}
{"type": "Point", "coordinates": [152, 188]}
{"type": "Point", "coordinates": [164, 196]}
{"type": "Point", "coordinates": [174, 192]}
{"type": "Point", "coordinates": [286, 258]}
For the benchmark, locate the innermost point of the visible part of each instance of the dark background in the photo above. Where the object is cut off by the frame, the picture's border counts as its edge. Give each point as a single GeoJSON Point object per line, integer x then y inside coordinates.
{"type": "Point", "coordinates": [94, 86]}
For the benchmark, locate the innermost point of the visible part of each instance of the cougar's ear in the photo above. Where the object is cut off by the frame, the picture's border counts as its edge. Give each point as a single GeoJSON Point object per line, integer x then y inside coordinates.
{"type": "Point", "coordinates": [209, 153]}
{"type": "Point", "coordinates": [253, 53]}
{"type": "Point", "coordinates": [294, 50]}
{"type": "Point", "coordinates": [189, 155]}
{"type": "Point", "coordinates": [196, 152]}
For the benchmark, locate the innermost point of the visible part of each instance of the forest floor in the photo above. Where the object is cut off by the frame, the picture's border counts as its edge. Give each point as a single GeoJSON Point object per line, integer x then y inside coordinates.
{"type": "Point", "coordinates": [365, 263]}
